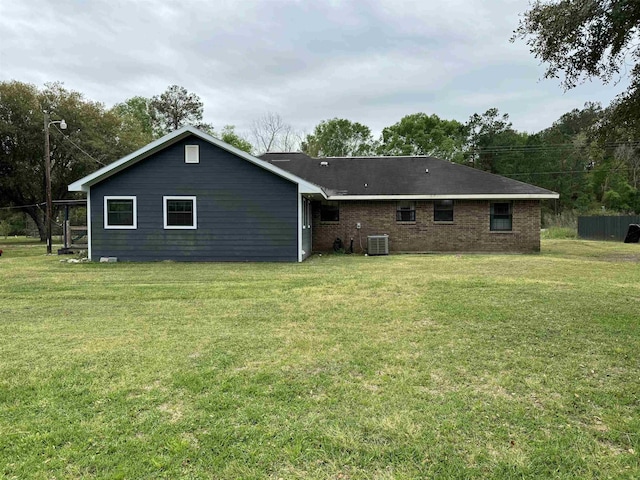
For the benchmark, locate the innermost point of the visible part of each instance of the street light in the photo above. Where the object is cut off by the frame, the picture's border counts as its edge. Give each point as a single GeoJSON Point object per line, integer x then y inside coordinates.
{"type": "Point", "coordinates": [47, 162]}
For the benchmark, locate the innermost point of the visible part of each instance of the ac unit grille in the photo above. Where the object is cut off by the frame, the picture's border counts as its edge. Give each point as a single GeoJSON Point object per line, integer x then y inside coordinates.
{"type": "Point", "coordinates": [378, 245]}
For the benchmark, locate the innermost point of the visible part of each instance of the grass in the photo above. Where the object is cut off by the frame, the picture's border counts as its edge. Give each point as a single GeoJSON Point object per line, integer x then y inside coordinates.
{"type": "Point", "coordinates": [558, 233]}
{"type": "Point", "coordinates": [434, 366]}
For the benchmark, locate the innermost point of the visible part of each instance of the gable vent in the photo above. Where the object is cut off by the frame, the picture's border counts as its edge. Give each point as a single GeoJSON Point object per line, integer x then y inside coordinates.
{"type": "Point", "coordinates": [378, 244]}
{"type": "Point", "coordinates": [191, 154]}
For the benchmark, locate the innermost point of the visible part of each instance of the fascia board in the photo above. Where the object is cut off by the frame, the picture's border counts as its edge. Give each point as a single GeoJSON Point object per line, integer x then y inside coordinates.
{"type": "Point", "coordinates": [483, 196]}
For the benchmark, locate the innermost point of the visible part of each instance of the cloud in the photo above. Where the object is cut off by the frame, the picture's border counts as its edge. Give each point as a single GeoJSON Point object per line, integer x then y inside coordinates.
{"type": "Point", "coordinates": [369, 61]}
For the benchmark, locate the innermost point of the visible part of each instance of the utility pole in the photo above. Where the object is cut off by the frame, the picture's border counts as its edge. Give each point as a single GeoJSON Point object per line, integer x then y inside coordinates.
{"type": "Point", "coordinates": [47, 163]}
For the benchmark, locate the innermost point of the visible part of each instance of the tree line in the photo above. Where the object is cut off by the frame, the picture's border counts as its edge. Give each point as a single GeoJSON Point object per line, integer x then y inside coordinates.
{"type": "Point", "coordinates": [586, 156]}
{"type": "Point", "coordinates": [590, 156]}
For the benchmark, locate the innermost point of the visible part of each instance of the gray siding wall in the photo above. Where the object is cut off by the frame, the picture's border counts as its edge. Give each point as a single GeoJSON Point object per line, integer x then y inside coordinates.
{"type": "Point", "coordinates": [603, 227]}
{"type": "Point", "coordinates": [244, 213]}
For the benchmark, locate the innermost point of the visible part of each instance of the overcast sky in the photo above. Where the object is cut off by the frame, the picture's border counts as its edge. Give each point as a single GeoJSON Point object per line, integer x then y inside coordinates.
{"type": "Point", "coordinates": [367, 61]}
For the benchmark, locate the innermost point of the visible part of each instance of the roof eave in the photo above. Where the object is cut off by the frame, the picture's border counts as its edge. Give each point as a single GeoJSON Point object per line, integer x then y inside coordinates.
{"type": "Point", "coordinates": [480, 196]}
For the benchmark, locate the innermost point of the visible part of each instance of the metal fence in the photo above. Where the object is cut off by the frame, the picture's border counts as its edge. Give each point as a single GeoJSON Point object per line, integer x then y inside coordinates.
{"type": "Point", "coordinates": [605, 228]}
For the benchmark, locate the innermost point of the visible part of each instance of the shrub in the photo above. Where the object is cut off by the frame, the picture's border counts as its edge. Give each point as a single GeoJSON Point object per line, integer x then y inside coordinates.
{"type": "Point", "coordinates": [559, 233]}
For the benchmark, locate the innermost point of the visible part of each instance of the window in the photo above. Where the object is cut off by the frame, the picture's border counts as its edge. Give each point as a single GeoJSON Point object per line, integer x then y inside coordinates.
{"type": "Point", "coordinates": [120, 212]}
{"type": "Point", "coordinates": [180, 213]}
{"type": "Point", "coordinates": [501, 217]}
{"type": "Point", "coordinates": [443, 211]}
{"type": "Point", "coordinates": [191, 154]}
{"type": "Point", "coordinates": [306, 213]}
{"type": "Point", "coordinates": [330, 212]}
{"type": "Point", "coordinates": [406, 212]}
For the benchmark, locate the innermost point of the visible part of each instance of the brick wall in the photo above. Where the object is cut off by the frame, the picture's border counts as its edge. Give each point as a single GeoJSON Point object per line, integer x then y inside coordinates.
{"type": "Point", "coordinates": [469, 231]}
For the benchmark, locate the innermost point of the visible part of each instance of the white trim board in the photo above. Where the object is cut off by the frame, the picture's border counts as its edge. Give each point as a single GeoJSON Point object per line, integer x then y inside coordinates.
{"type": "Point", "coordinates": [105, 201]}
{"type": "Point", "coordinates": [89, 224]}
{"type": "Point", "coordinates": [300, 222]}
{"type": "Point", "coordinates": [480, 196]}
{"type": "Point", "coordinates": [180, 227]}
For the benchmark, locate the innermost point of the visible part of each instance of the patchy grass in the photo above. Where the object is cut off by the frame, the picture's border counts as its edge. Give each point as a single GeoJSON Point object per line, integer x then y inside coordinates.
{"type": "Point", "coordinates": [447, 366]}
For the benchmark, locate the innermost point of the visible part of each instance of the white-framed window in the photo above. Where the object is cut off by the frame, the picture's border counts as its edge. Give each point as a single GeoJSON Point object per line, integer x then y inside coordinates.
{"type": "Point", "coordinates": [306, 213]}
{"type": "Point", "coordinates": [180, 213]}
{"type": "Point", "coordinates": [406, 212]}
{"type": "Point", "coordinates": [501, 218]}
{"type": "Point", "coordinates": [191, 154]}
{"type": "Point", "coordinates": [120, 212]}
{"type": "Point", "coordinates": [443, 211]}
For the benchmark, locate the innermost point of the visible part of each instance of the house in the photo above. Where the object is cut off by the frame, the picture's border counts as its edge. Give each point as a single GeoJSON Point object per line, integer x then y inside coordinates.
{"type": "Point", "coordinates": [191, 197]}
{"type": "Point", "coordinates": [423, 204]}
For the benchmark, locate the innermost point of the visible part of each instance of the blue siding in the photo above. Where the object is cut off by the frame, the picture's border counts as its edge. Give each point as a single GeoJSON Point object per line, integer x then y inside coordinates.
{"type": "Point", "coordinates": [244, 213]}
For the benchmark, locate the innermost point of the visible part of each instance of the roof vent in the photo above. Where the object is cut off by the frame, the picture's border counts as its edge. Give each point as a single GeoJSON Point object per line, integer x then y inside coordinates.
{"type": "Point", "coordinates": [366, 185]}
{"type": "Point", "coordinates": [426, 170]}
{"type": "Point", "coordinates": [324, 164]}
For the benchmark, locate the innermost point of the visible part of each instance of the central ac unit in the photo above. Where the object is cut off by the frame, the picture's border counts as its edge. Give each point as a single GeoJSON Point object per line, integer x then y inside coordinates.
{"type": "Point", "coordinates": [378, 244]}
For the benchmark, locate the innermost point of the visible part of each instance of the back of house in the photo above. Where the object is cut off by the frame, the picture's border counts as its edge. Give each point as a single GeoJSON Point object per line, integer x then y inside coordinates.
{"type": "Point", "coordinates": [191, 197]}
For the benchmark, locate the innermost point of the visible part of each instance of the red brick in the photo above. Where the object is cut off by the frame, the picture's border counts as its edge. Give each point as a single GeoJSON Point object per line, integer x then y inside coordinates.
{"type": "Point", "coordinates": [469, 231]}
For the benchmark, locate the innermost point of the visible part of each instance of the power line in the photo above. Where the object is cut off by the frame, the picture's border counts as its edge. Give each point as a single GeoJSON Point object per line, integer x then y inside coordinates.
{"type": "Point", "coordinates": [13, 207]}
{"type": "Point", "coordinates": [545, 148]}
{"type": "Point", "coordinates": [67, 137]}
{"type": "Point", "coordinates": [625, 142]}
{"type": "Point", "coordinates": [557, 172]}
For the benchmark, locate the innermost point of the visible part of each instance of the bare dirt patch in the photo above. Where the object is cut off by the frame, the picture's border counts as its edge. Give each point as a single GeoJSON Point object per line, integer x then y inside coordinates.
{"type": "Point", "coordinates": [175, 411]}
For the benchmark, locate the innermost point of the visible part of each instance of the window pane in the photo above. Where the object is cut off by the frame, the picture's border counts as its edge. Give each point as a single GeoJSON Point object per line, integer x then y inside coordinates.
{"type": "Point", "coordinates": [501, 209]}
{"type": "Point", "coordinates": [120, 213]}
{"type": "Point", "coordinates": [443, 215]}
{"type": "Point", "coordinates": [406, 212]}
{"type": "Point", "coordinates": [501, 223]}
{"type": "Point", "coordinates": [329, 213]}
{"type": "Point", "coordinates": [443, 211]}
{"type": "Point", "coordinates": [406, 216]}
{"type": "Point", "coordinates": [180, 213]}
{"type": "Point", "coordinates": [501, 218]}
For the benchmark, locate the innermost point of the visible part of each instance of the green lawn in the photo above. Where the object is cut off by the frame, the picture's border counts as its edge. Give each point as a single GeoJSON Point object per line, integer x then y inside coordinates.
{"type": "Point", "coordinates": [345, 367]}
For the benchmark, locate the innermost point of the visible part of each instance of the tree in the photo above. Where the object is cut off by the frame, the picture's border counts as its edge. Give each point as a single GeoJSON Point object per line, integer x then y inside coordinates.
{"type": "Point", "coordinates": [271, 133]}
{"type": "Point", "coordinates": [175, 108]}
{"type": "Point", "coordinates": [422, 134]}
{"type": "Point", "coordinates": [339, 138]}
{"type": "Point", "coordinates": [94, 138]}
{"type": "Point", "coordinates": [581, 39]}
{"type": "Point", "coordinates": [136, 116]}
{"type": "Point", "coordinates": [570, 152]}
{"type": "Point", "coordinates": [230, 136]}
{"type": "Point", "coordinates": [487, 134]}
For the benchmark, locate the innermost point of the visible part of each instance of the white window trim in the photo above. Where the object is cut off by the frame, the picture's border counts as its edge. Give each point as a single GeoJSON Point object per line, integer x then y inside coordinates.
{"type": "Point", "coordinates": [195, 157]}
{"type": "Point", "coordinates": [106, 212]}
{"type": "Point", "coordinates": [180, 227]}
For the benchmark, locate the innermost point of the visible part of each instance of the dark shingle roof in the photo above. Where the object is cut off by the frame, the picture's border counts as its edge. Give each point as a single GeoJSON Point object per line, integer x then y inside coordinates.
{"type": "Point", "coordinates": [398, 176]}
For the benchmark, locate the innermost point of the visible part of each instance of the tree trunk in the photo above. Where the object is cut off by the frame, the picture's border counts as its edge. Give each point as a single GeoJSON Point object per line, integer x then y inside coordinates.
{"type": "Point", "coordinates": [38, 218]}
